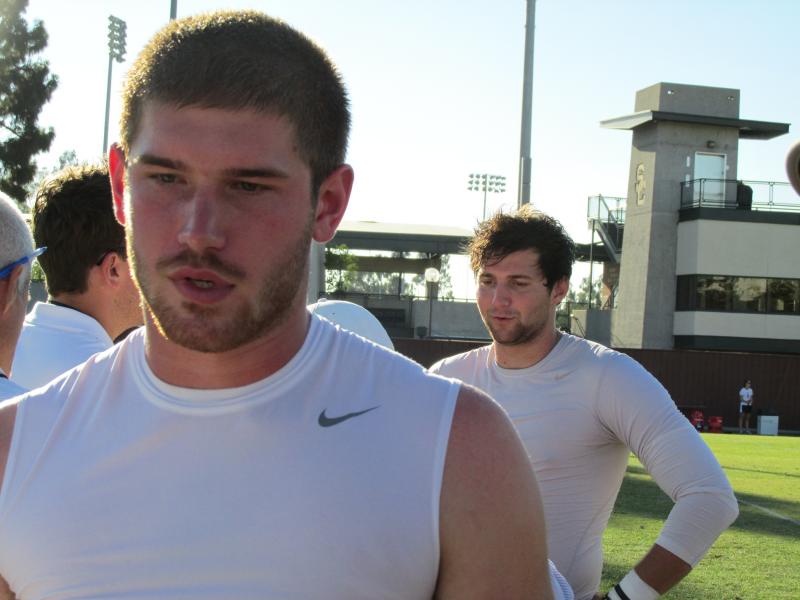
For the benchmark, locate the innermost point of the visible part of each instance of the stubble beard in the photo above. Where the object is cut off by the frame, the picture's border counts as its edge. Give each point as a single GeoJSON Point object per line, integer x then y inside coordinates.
{"type": "Point", "coordinates": [205, 328]}
{"type": "Point", "coordinates": [518, 335]}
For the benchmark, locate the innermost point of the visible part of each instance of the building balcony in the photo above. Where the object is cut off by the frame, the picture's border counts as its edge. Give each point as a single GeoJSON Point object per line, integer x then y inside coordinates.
{"type": "Point", "coordinates": [760, 196]}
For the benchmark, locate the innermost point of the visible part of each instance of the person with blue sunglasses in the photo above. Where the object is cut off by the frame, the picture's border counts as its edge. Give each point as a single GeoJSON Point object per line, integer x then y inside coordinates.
{"type": "Point", "coordinates": [16, 256]}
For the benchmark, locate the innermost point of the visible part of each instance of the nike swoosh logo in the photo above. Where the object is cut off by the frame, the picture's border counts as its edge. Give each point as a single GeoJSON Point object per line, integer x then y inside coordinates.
{"type": "Point", "coordinates": [326, 421]}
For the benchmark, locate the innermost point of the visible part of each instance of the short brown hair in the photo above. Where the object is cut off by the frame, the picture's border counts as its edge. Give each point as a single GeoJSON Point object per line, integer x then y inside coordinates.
{"type": "Point", "coordinates": [525, 229]}
{"type": "Point", "coordinates": [73, 216]}
{"type": "Point", "coordinates": [244, 60]}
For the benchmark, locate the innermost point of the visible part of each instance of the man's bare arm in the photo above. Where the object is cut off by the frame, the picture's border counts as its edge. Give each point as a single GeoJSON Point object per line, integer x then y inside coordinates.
{"type": "Point", "coordinates": [661, 569]}
{"type": "Point", "coordinates": [8, 414]}
{"type": "Point", "coordinates": [493, 541]}
{"type": "Point", "coordinates": [5, 591]}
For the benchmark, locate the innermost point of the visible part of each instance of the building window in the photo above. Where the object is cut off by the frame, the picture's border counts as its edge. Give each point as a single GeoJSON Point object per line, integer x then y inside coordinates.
{"type": "Point", "coordinates": [783, 296]}
{"type": "Point", "coordinates": [728, 293]}
{"type": "Point", "coordinates": [749, 294]}
{"type": "Point", "coordinates": [713, 293]}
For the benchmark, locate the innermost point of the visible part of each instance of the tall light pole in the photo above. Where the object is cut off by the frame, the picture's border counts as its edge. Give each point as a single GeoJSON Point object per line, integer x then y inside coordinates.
{"type": "Point", "coordinates": [483, 182]}
{"type": "Point", "coordinates": [173, 9]}
{"type": "Point", "coordinates": [524, 191]}
{"type": "Point", "coordinates": [117, 30]}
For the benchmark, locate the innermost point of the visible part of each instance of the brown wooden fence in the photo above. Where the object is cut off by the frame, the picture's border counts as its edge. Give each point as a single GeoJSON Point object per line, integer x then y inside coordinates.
{"type": "Point", "coordinates": [706, 379]}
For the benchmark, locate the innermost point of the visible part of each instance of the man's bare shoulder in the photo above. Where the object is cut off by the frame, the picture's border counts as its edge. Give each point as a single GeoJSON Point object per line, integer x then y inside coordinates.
{"type": "Point", "coordinates": [492, 527]}
{"type": "Point", "coordinates": [8, 416]}
{"type": "Point", "coordinates": [484, 446]}
{"type": "Point", "coordinates": [477, 413]}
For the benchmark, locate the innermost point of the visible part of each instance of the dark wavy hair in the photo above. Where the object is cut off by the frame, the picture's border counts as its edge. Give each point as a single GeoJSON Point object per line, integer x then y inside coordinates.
{"type": "Point", "coordinates": [525, 229]}
{"type": "Point", "coordinates": [73, 215]}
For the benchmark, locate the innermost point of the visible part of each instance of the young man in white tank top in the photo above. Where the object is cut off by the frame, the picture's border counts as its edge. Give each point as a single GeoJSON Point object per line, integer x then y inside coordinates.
{"type": "Point", "coordinates": [580, 408]}
{"type": "Point", "coordinates": [237, 447]}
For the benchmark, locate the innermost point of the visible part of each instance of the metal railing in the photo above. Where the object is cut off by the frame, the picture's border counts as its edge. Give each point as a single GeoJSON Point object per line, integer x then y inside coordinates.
{"type": "Point", "coordinates": [774, 196]}
{"type": "Point", "coordinates": [368, 299]}
{"type": "Point", "coordinates": [606, 215]}
{"type": "Point", "coordinates": [607, 209]}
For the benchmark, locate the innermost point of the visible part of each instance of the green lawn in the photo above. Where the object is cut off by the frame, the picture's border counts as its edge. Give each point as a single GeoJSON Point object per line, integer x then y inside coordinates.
{"type": "Point", "coordinates": [757, 558]}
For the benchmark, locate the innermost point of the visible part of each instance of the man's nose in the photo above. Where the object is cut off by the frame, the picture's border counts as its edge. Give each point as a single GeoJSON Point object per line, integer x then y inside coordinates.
{"type": "Point", "coordinates": [202, 222]}
{"type": "Point", "coordinates": [501, 295]}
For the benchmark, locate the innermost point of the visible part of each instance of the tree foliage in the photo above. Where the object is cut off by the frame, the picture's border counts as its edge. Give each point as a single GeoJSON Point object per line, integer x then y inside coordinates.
{"type": "Point", "coordinates": [581, 296]}
{"type": "Point", "coordinates": [340, 269]}
{"type": "Point", "coordinates": [342, 276]}
{"type": "Point", "coordinates": [26, 84]}
{"type": "Point", "coordinates": [65, 159]}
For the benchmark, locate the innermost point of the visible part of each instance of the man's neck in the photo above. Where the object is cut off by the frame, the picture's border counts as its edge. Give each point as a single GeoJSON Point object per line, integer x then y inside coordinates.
{"type": "Point", "coordinates": [78, 302]}
{"type": "Point", "coordinates": [5, 359]}
{"type": "Point", "coordinates": [182, 367]}
{"type": "Point", "coordinates": [9, 335]}
{"type": "Point", "coordinates": [84, 303]}
{"type": "Point", "coordinates": [521, 356]}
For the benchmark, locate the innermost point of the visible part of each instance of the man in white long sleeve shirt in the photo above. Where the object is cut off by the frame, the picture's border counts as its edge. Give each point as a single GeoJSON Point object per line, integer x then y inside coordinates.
{"type": "Point", "coordinates": [580, 408]}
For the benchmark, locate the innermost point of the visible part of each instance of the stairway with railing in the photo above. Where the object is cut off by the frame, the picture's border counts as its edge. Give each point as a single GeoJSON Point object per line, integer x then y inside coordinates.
{"type": "Point", "coordinates": [606, 215]}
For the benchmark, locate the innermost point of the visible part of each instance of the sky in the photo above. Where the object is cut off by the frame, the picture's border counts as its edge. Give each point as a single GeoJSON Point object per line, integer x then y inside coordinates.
{"type": "Point", "coordinates": [436, 89]}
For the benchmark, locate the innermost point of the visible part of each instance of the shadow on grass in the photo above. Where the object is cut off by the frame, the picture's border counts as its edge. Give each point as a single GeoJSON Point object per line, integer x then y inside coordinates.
{"type": "Point", "coordinates": [760, 471]}
{"type": "Point", "coordinates": [643, 497]}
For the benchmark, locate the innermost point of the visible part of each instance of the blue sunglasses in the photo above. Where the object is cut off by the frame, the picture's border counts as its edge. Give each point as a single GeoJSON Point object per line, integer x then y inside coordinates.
{"type": "Point", "coordinates": [6, 271]}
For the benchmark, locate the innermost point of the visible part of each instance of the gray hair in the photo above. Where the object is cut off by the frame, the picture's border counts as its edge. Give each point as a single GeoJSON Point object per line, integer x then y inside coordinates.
{"type": "Point", "coordinates": [16, 240]}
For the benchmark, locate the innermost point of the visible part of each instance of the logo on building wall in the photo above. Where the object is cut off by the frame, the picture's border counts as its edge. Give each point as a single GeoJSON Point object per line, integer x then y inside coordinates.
{"type": "Point", "coordinates": [641, 185]}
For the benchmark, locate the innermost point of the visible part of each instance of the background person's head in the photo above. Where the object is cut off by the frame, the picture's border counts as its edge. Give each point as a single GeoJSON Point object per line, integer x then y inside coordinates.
{"type": "Point", "coordinates": [86, 263]}
{"type": "Point", "coordinates": [524, 229]}
{"type": "Point", "coordinates": [793, 166]}
{"type": "Point", "coordinates": [244, 60]}
{"type": "Point", "coordinates": [16, 243]}
{"type": "Point", "coordinates": [73, 216]}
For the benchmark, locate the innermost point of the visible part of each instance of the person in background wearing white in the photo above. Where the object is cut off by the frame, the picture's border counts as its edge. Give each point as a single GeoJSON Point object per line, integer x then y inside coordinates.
{"type": "Point", "coordinates": [92, 299]}
{"type": "Point", "coordinates": [580, 408]}
{"type": "Point", "coordinates": [745, 406]}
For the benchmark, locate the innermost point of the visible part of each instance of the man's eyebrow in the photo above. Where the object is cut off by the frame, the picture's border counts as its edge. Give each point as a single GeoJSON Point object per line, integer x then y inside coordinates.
{"type": "Point", "coordinates": [263, 173]}
{"type": "Point", "coordinates": [176, 165]}
{"type": "Point", "coordinates": [156, 161]}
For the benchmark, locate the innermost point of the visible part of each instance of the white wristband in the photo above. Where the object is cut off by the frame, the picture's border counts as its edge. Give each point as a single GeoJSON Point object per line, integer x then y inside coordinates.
{"type": "Point", "coordinates": [632, 587]}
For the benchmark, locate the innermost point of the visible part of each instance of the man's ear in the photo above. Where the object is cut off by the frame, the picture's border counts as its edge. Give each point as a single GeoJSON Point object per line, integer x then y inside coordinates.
{"type": "Point", "coordinates": [111, 269]}
{"type": "Point", "coordinates": [116, 170]}
{"type": "Point", "coordinates": [8, 290]}
{"type": "Point", "coordinates": [332, 199]}
{"type": "Point", "coordinates": [560, 290]}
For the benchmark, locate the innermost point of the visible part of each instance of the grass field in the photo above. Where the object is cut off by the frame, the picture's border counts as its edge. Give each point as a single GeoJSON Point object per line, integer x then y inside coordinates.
{"type": "Point", "coordinates": [757, 558]}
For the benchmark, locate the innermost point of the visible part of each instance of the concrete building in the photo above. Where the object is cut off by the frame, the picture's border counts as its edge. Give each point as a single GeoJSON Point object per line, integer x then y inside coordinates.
{"type": "Point", "coordinates": [708, 259]}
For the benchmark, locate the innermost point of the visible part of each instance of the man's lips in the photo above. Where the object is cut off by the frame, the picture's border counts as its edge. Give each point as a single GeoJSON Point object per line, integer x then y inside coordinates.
{"type": "Point", "coordinates": [202, 286]}
{"type": "Point", "coordinates": [499, 317]}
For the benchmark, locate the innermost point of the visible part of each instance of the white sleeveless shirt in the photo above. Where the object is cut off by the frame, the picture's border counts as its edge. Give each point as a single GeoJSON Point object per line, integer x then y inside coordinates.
{"type": "Point", "coordinates": [320, 481]}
